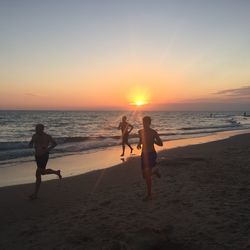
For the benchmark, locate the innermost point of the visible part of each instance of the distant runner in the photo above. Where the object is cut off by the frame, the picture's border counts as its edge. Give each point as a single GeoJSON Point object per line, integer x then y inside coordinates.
{"type": "Point", "coordinates": [147, 138]}
{"type": "Point", "coordinates": [43, 144]}
{"type": "Point", "coordinates": [126, 128]}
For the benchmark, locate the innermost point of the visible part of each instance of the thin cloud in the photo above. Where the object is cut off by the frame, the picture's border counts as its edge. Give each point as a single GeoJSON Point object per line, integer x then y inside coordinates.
{"type": "Point", "coordinates": [220, 98]}
{"type": "Point", "coordinates": [239, 95]}
{"type": "Point", "coordinates": [225, 100]}
{"type": "Point", "coordinates": [33, 95]}
{"type": "Point", "coordinates": [239, 92]}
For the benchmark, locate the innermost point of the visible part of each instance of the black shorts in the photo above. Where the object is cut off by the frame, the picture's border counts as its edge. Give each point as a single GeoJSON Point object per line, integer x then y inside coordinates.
{"type": "Point", "coordinates": [125, 139]}
{"type": "Point", "coordinates": [41, 160]}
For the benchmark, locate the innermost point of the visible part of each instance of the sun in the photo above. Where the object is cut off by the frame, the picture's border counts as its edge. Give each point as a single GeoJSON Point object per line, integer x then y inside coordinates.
{"type": "Point", "coordinates": [140, 102]}
{"type": "Point", "coordinates": [138, 97]}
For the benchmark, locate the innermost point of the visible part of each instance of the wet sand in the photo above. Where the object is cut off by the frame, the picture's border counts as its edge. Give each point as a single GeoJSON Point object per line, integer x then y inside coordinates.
{"type": "Point", "coordinates": [202, 201]}
{"type": "Point", "coordinates": [71, 165]}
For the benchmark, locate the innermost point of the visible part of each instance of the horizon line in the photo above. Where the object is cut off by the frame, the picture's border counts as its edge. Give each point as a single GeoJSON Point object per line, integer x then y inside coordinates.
{"type": "Point", "coordinates": [122, 110]}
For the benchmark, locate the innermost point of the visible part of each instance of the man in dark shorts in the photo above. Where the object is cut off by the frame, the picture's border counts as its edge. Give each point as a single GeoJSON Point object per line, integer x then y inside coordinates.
{"type": "Point", "coordinates": [147, 138]}
{"type": "Point", "coordinates": [42, 143]}
{"type": "Point", "coordinates": [126, 128]}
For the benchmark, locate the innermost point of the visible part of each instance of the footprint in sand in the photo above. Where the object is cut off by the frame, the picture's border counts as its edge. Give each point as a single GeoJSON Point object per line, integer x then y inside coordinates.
{"type": "Point", "coordinates": [105, 203]}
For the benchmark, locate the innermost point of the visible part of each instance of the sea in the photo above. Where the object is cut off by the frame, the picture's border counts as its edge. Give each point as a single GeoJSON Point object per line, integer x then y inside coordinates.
{"type": "Point", "coordinates": [87, 131]}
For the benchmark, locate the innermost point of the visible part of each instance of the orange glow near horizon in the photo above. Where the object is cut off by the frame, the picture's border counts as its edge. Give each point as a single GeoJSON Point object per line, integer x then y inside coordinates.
{"type": "Point", "coordinates": [139, 96]}
{"type": "Point", "coordinates": [121, 86]}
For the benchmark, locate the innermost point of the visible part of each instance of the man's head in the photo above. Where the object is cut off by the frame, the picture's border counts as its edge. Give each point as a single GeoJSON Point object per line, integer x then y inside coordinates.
{"type": "Point", "coordinates": [146, 120]}
{"type": "Point", "coordinates": [124, 118]}
{"type": "Point", "coordinates": [39, 128]}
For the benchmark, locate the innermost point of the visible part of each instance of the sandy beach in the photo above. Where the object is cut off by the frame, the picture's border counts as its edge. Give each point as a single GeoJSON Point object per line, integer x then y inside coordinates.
{"type": "Point", "coordinates": [202, 201]}
{"type": "Point", "coordinates": [91, 92]}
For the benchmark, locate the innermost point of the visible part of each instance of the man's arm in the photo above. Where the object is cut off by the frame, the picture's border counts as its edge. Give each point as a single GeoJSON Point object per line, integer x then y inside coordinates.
{"type": "Point", "coordinates": [31, 143]}
{"type": "Point", "coordinates": [52, 143]}
{"type": "Point", "coordinates": [130, 128]}
{"type": "Point", "coordinates": [158, 140]}
{"type": "Point", "coordinates": [119, 126]}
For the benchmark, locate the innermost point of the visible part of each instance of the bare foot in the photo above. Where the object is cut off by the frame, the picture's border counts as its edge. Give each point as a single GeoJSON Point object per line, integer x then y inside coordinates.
{"type": "Point", "coordinates": [122, 154]}
{"type": "Point", "coordinates": [59, 174]}
{"type": "Point", "coordinates": [131, 150]}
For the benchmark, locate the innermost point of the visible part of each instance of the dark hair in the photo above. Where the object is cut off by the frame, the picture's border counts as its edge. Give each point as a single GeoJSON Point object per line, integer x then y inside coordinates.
{"type": "Point", "coordinates": [40, 126]}
{"type": "Point", "coordinates": [146, 120]}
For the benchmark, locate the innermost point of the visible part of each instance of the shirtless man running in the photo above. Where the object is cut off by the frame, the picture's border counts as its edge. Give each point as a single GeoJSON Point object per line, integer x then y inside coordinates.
{"type": "Point", "coordinates": [147, 138]}
{"type": "Point", "coordinates": [126, 128]}
{"type": "Point", "coordinates": [42, 143]}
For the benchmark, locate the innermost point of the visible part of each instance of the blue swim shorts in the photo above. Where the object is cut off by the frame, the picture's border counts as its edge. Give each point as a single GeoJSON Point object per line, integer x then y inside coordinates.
{"type": "Point", "coordinates": [148, 160]}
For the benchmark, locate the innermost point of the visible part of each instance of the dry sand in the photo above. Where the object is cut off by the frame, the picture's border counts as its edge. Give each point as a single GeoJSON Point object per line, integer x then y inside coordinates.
{"type": "Point", "coordinates": [201, 202]}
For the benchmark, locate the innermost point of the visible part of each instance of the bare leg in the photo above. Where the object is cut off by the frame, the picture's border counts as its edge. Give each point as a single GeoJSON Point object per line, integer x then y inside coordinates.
{"type": "Point", "coordinates": [51, 171]}
{"type": "Point", "coordinates": [39, 173]}
{"type": "Point", "coordinates": [149, 184]}
{"type": "Point", "coordinates": [123, 149]}
{"type": "Point", "coordinates": [131, 149]}
{"type": "Point", "coordinates": [38, 183]}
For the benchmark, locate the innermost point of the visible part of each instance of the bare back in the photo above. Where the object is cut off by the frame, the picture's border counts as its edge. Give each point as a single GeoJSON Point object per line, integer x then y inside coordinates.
{"type": "Point", "coordinates": [41, 143]}
{"type": "Point", "coordinates": [148, 137]}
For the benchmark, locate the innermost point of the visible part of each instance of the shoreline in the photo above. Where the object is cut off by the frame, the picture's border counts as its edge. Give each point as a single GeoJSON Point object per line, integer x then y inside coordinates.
{"type": "Point", "coordinates": [24, 172]}
{"type": "Point", "coordinates": [200, 203]}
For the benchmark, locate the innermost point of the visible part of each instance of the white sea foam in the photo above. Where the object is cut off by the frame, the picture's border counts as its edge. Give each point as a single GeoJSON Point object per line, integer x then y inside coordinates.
{"type": "Point", "coordinates": [78, 131]}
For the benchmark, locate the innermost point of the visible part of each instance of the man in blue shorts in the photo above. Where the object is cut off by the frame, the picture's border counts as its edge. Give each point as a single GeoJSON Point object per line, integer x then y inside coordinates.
{"type": "Point", "coordinates": [147, 138]}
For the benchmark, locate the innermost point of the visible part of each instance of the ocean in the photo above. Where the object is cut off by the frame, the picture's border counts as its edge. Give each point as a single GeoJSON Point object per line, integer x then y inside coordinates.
{"type": "Point", "coordinates": [88, 131]}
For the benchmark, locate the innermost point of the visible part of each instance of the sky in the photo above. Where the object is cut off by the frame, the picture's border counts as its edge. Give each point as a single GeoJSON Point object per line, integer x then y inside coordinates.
{"type": "Point", "coordinates": [115, 54]}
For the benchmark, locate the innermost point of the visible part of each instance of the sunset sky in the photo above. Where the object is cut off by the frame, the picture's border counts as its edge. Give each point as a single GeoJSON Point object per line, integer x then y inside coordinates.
{"type": "Point", "coordinates": [114, 54]}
